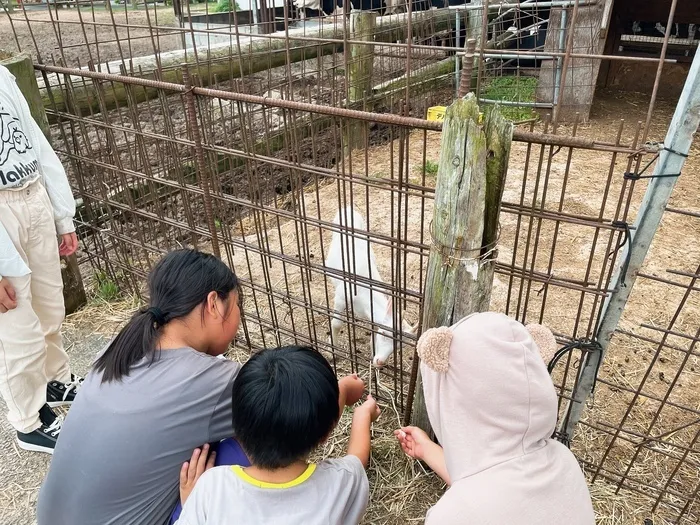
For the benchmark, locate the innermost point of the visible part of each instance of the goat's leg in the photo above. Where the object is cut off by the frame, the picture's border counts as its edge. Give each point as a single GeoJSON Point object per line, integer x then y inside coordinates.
{"type": "Point", "coordinates": [339, 305]}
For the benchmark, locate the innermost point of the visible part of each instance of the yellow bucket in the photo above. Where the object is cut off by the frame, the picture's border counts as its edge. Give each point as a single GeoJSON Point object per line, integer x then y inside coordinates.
{"type": "Point", "coordinates": [437, 113]}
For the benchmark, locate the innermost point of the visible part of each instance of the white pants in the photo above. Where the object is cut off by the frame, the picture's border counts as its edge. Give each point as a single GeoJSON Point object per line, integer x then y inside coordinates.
{"type": "Point", "coordinates": [31, 348]}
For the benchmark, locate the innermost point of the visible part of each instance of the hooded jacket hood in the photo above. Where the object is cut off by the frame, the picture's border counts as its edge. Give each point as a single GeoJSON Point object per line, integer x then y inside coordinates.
{"type": "Point", "coordinates": [493, 408]}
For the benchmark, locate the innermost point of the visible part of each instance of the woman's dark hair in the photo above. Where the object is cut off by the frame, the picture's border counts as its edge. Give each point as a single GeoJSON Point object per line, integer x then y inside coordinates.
{"type": "Point", "coordinates": [178, 283]}
{"type": "Point", "coordinates": [285, 403]}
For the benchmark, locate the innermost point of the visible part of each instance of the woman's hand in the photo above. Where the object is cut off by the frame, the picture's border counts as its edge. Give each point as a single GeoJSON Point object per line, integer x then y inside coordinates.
{"type": "Point", "coordinates": [193, 469]}
{"type": "Point", "coordinates": [413, 441]}
{"type": "Point", "coordinates": [68, 245]}
{"type": "Point", "coordinates": [8, 297]}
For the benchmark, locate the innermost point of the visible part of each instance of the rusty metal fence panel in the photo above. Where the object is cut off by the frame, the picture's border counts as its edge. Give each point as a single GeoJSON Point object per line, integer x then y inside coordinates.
{"type": "Point", "coordinates": [244, 152]}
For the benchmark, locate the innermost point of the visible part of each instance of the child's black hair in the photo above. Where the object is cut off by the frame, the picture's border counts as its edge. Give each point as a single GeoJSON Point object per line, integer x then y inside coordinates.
{"type": "Point", "coordinates": [178, 283]}
{"type": "Point", "coordinates": [285, 403]}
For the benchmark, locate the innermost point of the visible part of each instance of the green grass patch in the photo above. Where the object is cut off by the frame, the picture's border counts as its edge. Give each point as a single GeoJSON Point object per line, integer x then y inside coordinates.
{"type": "Point", "coordinates": [431, 168]}
{"type": "Point", "coordinates": [512, 89]}
{"type": "Point", "coordinates": [105, 288]}
{"type": "Point", "coordinates": [224, 6]}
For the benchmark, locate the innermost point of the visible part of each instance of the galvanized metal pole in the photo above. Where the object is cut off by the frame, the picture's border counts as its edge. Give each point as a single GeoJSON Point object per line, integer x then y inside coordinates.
{"type": "Point", "coordinates": [458, 28]}
{"type": "Point", "coordinates": [670, 164]}
{"type": "Point", "coordinates": [562, 49]}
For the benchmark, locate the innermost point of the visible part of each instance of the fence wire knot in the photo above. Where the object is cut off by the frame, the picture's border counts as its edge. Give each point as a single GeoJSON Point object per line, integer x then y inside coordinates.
{"type": "Point", "coordinates": [489, 249]}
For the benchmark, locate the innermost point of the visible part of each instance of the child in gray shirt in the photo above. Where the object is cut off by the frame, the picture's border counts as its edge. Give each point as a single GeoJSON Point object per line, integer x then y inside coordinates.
{"type": "Point", "coordinates": [284, 404]}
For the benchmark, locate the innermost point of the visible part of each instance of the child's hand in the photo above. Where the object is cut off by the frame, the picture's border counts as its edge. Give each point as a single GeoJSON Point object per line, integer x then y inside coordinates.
{"type": "Point", "coordinates": [360, 431]}
{"type": "Point", "coordinates": [414, 441]}
{"type": "Point", "coordinates": [352, 387]}
{"type": "Point", "coordinates": [193, 469]}
{"type": "Point", "coordinates": [371, 408]}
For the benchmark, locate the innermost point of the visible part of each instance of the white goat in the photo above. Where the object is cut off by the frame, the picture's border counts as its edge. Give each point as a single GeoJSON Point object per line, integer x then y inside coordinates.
{"type": "Point", "coordinates": [350, 255]}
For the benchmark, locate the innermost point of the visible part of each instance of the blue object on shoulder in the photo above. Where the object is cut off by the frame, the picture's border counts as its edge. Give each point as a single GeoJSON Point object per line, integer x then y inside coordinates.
{"type": "Point", "coordinates": [228, 452]}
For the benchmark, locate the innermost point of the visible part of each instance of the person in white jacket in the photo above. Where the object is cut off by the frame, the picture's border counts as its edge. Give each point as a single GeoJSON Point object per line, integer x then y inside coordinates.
{"type": "Point", "coordinates": [36, 210]}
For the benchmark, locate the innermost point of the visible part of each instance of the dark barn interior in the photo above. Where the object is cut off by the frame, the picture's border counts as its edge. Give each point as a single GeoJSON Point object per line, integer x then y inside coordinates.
{"type": "Point", "coordinates": [637, 29]}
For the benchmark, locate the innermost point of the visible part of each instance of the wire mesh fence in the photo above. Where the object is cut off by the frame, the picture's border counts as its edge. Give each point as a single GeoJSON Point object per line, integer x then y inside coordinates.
{"type": "Point", "coordinates": [245, 135]}
{"type": "Point", "coordinates": [158, 174]}
{"type": "Point", "coordinates": [641, 434]}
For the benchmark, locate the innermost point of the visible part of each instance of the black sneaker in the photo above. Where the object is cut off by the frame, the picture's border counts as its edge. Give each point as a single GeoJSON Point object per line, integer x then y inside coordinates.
{"type": "Point", "coordinates": [47, 415]}
{"type": "Point", "coordinates": [43, 439]}
{"type": "Point", "coordinates": [62, 394]}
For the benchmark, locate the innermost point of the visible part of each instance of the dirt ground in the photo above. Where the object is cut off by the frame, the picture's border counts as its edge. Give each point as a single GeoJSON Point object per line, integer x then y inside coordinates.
{"type": "Point", "coordinates": [401, 489]}
{"type": "Point", "coordinates": [38, 36]}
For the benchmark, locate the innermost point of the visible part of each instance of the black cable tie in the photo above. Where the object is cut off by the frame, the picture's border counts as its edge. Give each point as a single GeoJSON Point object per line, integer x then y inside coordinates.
{"type": "Point", "coordinates": [622, 225]}
{"type": "Point", "coordinates": [562, 437]}
{"type": "Point", "coordinates": [684, 155]}
{"type": "Point", "coordinates": [586, 346]}
{"type": "Point", "coordinates": [627, 238]}
{"type": "Point", "coordinates": [637, 176]}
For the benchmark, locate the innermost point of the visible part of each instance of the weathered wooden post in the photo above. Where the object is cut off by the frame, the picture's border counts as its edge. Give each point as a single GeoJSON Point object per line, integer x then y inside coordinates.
{"type": "Point", "coordinates": [475, 18]}
{"type": "Point", "coordinates": [359, 74]}
{"type": "Point", "coordinates": [23, 70]}
{"type": "Point", "coordinates": [464, 230]}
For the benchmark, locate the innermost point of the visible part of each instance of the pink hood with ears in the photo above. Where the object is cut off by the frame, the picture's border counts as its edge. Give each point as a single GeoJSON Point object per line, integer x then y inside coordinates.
{"type": "Point", "coordinates": [493, 408]}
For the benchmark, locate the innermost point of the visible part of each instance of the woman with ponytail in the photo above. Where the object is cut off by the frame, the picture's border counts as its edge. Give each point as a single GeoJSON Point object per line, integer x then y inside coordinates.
{"type": "Point", "coordinates": [156, 393]}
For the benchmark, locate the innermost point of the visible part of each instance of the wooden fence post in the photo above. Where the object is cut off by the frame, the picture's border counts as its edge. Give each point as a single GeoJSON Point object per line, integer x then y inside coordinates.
{"type": "Point", "coordinates": [464, 230]}
{"type": "Point", "coordinates": [474, 23]}
{"type": "Point", "coordinates": [359, 74]}
{"type": "Point", "coordinates": [23, 70]}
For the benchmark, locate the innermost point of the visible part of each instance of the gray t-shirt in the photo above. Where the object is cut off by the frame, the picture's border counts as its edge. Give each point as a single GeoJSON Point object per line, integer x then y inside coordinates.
{"type": "Point", "coordinates": [334, 492]}
{"type": "Point", "coordinates": [118, 458]}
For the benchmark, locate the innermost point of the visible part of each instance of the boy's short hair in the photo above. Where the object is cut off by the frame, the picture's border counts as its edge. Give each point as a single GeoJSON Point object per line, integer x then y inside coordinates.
{"type": "Point", "coordinates": [285, 404]}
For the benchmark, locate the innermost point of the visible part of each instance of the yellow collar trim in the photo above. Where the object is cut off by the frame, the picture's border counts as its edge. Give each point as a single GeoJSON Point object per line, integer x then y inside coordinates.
{"type": "Point", "coordinates": [238, 471]}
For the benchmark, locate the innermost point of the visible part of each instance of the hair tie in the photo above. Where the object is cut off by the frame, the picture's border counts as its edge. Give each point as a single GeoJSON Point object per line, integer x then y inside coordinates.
{"type": "Point", "coordinates": [157, 315]}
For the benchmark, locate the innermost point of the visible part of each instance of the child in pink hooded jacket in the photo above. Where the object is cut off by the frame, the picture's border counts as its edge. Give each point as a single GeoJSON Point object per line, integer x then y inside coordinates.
{"type": "Point", "coordinates": [493, 408]}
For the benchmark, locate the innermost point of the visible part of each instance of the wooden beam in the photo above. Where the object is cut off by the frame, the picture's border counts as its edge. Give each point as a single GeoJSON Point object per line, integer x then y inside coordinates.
{"type": "Point", "coordinates": [145, 193]}
{"type": "Point", "coordinates": [359, 75]}
{"type": "Point", "coordinates": [229, 60]}
{"type": "Point", "coordinates": [427, 78]}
